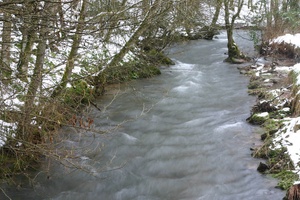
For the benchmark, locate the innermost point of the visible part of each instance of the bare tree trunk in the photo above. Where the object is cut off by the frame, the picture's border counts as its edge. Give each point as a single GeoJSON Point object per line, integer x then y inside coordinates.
{"type": "Point", "coordinates": [36, 79]}
{"type": "Point", "coordinates": [6, 44]}
{"type": "Point", "coordinates": [217, 13]}
{"type": "Point", "coordinates": [231, 4]}
{"type": "Point", "coordinates": [26, 47]}
{"type": "Point", "coordinates": [250, 4]}
{"type": "Point", "coordinates": [74, 51]}
{"type": "Point", "coordinates": [269, 15]}
{"type": "Point", "coordinates": [28, 30]}
{"type": "Point", "coordinates": [276, 15]}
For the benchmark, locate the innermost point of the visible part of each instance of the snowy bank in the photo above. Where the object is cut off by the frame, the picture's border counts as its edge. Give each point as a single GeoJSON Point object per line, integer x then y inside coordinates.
{"type": "Point", "coordinates": [288, 39]}
{"type": "Point", "coordinates": [276, 83]}
{"type": "Point", "coordinates": [289, 137]}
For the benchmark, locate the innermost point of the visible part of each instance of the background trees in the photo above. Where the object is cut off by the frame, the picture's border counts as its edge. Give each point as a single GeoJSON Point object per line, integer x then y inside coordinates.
{"type": "Point", "coordinates": [276, 16]}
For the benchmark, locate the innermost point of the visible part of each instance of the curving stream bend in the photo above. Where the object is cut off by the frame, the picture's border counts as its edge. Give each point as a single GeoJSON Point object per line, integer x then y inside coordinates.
{"type": "Point", "coordinates": [185, 138]}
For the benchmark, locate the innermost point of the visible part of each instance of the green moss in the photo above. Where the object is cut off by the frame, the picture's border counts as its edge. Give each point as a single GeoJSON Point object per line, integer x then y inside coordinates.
{"type": "Point", "coordinates": [254, 85]}
{"type": "Point", "coordinates": [272, 124]}
{"type": "Point", "coordinates": [142, 65]}
{"type": "Point", "coordinates": [262, 152]}
{"type": "Point", "coordinates": [158, 57]}
{"type": "Point", "coordinates": [279, 160]}
{"type": "Point", "coordinates": [131, 70]}
{"type": "Point", "coordinates": [258, 119]}
{"type": "Point", "coordinates": [296, 102]}
{"type": "Point", "coordinates": [287, 179]}
{"type": "Point", "coordinates": [79, 94]}
{"type": "Point", "coordinates": [292, 76]}
{"type": "Point", "coordinates": [257, 92]}
{"type": "Point", "coordinates": [278, 114]}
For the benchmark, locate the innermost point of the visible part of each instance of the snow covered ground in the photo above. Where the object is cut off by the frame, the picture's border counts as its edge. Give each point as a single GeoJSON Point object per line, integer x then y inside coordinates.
{"type": "Point", "coordinates": [289, 39]}
{"type": "Point", "coordinates": [289, 135]}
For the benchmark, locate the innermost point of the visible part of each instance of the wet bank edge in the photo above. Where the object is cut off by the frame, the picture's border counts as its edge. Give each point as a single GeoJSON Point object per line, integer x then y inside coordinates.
{"type": "Point", "coordinates": [275, 86]}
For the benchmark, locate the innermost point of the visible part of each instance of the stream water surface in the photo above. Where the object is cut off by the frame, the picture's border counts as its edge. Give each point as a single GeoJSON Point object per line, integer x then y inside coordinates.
{"type": "Point", "coordinates": [181, 135]}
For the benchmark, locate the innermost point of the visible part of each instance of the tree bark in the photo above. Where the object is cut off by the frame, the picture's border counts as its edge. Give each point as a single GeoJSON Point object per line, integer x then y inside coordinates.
{"type": "Point", "coordinates": [217, 13]}
{"type": "Point", "coordinates": [276, 15]}
{"type": "Point", "coordinates": [6, 44]}
{"type": "Point", "coordinates": [36, 79]}
{"type": "Point", "coordinates": [28, 30]}
{"type": "Point", "coordinates": [269, 15]}
{"type": "Point", "coordinates": [74, 52]}
{"type": "Point", "coordinates": [233, 51]}
{"type": "Point", "coordinates": [26, 47]}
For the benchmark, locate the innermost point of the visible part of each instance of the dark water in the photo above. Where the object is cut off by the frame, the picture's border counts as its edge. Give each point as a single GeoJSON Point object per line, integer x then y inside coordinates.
{"type": "Point", "coordinates": [181, 135]}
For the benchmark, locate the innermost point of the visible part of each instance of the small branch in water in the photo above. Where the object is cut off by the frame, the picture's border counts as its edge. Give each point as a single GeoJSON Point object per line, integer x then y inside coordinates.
{"type": "Point", "coordinates": [95, 105]}
{"type": "Point", "coordinates": [5, 193]}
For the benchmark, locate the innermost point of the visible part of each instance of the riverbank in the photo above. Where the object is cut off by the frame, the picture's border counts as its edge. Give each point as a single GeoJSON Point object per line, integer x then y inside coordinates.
{"type": "Point", "coordinates": [274, 80]}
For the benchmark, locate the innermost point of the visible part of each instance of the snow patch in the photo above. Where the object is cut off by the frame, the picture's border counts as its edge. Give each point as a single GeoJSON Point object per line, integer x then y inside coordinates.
{"type": "Point", "coordinates": [264, 114]}
{"type": "Point", "coordinates": [6, 130]}
{"type": "Point", "coordinates": [289, 137]}
{"type": "Point", "coordinates": [289, 39]}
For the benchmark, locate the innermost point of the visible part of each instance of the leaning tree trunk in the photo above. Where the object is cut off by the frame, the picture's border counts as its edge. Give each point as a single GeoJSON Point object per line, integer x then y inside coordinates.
{"type": "Point", "coordinates": [73, 53]}
{"type": "Point", "coordinates": [100, 80]}
{"type": "Point", "coordinates": [140, 30]}
{"type": "Point", "coordinates": [216, 14]}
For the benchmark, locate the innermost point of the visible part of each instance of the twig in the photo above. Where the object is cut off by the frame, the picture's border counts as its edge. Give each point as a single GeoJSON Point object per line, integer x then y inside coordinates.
{"type": "Point", "coordinates": [5, 193]}
{"type": "Point", "coordinates": [95, 105]}
{"type": "Point", "coordinates": [115, 96]}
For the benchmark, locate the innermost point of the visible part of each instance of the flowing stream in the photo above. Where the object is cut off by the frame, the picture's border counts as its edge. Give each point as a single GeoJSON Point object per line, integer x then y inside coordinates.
{"type": "Point", "coordinates": [181, 135]}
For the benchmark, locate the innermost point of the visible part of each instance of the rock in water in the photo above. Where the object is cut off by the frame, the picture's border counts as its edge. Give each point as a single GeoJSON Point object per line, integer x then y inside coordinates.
{"type": "Point", "coordinates": [262, 167]}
